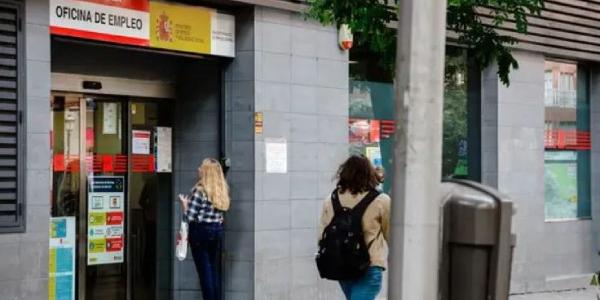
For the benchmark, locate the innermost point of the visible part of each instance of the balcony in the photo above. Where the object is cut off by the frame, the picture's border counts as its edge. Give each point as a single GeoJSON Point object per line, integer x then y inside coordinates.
{"type": "Point", "coordinates": [560, 98]}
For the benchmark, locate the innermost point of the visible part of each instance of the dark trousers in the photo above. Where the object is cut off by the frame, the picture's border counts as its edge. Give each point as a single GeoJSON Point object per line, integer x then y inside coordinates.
{"type": "Point", "coordinates": [205, 241]}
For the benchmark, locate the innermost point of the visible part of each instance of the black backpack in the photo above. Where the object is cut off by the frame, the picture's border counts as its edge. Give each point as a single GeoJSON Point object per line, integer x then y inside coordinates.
{"type": "Point", "coordinates": [343, 253]}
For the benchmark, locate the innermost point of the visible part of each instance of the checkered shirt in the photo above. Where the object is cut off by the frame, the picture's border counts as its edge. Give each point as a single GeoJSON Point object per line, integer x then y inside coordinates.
{"type": "Point", "coordinates": [201, 210]}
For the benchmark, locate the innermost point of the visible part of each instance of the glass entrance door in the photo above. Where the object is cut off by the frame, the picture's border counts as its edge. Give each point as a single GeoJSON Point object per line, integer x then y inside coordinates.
{"type": "Point", "coordinates": [106, 181]}
{"type": "Point", "coordinates": [150, 199]}
{"type": "Point", "coordinates": [112, 174]}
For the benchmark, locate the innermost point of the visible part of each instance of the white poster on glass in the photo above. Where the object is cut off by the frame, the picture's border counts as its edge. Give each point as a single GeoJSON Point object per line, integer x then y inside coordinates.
{"type": "Point", "coordinates": [106, 220]}
{"type": "Point", "coordinates": [163, 149]}
{"type": "Point", "coordinates": [140, 141]}
{"type": "Point", "coordinates": [109, 118]}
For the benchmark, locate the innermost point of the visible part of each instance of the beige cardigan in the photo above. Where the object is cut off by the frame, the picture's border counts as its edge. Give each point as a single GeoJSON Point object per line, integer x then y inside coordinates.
{"type": "Point", "coordinates": [376, 220]}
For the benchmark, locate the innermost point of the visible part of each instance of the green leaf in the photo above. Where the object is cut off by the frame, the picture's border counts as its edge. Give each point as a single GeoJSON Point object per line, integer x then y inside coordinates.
{"type": "Point", "coordinates": [369, 19]}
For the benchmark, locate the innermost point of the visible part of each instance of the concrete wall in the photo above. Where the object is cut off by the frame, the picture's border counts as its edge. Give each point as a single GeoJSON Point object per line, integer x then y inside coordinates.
{"type": "Point", "coordinates": [548, 255]}
{"type": "Point", "coordinates": [239, 96]}
{"type": "Point", "coordinates": [24, 267]}
{"type": "Point", "coordinates": [196, 137]}
{"type": "Point", "coordinates": [293, 72]}
{"type": "Point", "coordinates": [595, 160]}
{"type": "Point", "coordinates": [302, 88]}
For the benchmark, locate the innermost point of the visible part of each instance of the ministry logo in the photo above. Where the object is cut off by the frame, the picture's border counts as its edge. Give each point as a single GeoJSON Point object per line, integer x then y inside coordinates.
{"type": "Point", "coordinates": [163, 28]}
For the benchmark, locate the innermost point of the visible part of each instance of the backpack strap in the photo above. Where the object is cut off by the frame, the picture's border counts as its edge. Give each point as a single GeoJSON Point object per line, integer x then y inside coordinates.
{"type": "Point", "coordinates": [360, 208]}
{"type": "Point", "coordinates": [335, 202]}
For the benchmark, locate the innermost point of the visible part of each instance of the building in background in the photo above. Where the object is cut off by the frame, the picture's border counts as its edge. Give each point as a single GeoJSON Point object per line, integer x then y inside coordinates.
{"type": "Point", "coordinates": [534, 140]}
{"type": "Point", "coordinates": [107, 109]}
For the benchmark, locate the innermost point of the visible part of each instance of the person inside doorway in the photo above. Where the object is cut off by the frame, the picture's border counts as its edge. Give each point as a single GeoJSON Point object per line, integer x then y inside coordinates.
{"type": "Point", "coordinates": [204, 210]}
{"type": "Point", "coordinates": [354, 231]}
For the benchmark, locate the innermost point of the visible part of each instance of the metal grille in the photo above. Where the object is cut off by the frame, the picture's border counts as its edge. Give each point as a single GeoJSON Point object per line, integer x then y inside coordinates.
{"type": "Point", "coordinates": [11, 212]}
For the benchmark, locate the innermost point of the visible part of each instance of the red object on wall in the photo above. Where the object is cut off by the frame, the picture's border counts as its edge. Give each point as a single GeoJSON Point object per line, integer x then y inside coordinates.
{"type": "Point", "coordinates": [388, 128]}
{"type": "Point", "coordinates": [375, 129]}
{"type": "Point", "coordinates": [567, 140]}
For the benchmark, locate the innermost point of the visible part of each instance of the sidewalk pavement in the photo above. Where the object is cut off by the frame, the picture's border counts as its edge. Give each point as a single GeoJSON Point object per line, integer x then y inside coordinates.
{"type": "Point", "coordinates": [586, 294]}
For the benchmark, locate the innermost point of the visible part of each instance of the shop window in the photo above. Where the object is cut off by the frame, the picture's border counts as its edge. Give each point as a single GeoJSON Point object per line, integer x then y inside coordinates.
{"type": "Point", "coordinates": [567, 142]}
{"type": "Point", "coordinates": [371, 115]}
{"type": "Point", "coordinates": [12, 198]}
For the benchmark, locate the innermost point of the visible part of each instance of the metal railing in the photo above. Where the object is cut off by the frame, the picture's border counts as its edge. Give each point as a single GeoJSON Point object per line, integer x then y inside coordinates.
{"type": "Point", "coordinates": [559, 98]}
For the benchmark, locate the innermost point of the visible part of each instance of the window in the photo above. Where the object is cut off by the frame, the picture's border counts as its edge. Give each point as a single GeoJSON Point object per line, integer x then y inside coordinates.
{"type": "Point", "coordinates": [567, 142]}
{"type": "Point", "coordinates": [455, 158]}
{"type": "Point", "coordinates": [372, 106]}
{"type": "Point", "coordinates": [11, 125]}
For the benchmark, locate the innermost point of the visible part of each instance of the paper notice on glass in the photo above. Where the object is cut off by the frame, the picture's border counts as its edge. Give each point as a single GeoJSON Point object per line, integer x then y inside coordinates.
{"type": "Point", "coordinates": [140, 142]}
{"type": "Point", "coordinates": [109, 119]}
{"type": "Point", "coordinates": [276, 156]}
{"type": "Point", "coordinates": [163, 150]}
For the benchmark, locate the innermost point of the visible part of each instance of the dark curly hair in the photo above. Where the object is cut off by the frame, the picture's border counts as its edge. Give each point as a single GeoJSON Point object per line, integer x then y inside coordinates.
{"type": "Point", "coordinates": [357, 175]}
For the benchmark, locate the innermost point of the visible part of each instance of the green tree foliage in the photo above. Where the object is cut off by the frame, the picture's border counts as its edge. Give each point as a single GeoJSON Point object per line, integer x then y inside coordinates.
{"type": "Point", "coordinates": [369, 21]}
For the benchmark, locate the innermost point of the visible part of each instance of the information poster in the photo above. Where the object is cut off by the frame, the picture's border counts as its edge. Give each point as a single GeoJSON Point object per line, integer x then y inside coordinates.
{"type": "Point", "coordinates": [276, 156]}
{"type": "Point", "coordinates": [163, 149]}
{"type": "Point", "coordinates": [140, 143]}
{"type": "Point", "coordinates": [61, 259]}
{"type": "Point", "coordinates": [106, 220]}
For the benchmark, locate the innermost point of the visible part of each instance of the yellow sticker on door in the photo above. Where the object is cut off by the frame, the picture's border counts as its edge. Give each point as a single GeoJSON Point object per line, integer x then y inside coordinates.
{"type": "Point", "coordinates": [97, 246]}
{"type": "Point", "coordinates": [97, 219]}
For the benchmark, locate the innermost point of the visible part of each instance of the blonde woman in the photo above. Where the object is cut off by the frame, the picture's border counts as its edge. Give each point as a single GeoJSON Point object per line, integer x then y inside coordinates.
{"type": "Point", "coordinates": [204, 211]}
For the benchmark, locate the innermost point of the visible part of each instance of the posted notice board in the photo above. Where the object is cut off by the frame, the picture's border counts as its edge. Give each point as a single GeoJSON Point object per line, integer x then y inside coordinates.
{"type": "Point", "coordinates": [106, 220]}
{"type": "Point", "coordinates": [61, 259]}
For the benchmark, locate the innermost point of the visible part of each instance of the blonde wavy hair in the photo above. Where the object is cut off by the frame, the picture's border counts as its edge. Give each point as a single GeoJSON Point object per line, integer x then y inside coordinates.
{"type": "Point", "coordinates": [212, 182]}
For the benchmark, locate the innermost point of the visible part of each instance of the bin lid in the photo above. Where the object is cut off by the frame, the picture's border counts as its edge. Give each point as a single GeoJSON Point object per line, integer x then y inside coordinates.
{"type": "Point", "coordinates": [470, 215]}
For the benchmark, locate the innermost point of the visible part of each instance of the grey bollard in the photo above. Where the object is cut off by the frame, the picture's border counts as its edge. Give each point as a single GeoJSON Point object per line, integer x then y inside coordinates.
{"type": "Point", "coordinates": [477, 242]}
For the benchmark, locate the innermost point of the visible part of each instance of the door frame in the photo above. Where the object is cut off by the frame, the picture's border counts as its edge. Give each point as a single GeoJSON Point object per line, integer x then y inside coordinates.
{"type": "Point", "coordinates": [125, 101]}
{"type": "Point", "coordinates": [73, 83]}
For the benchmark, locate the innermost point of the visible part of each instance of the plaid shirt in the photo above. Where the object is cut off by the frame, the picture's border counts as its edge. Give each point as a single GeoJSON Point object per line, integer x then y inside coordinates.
{"type": "Point", "coordinates": [201, 210]}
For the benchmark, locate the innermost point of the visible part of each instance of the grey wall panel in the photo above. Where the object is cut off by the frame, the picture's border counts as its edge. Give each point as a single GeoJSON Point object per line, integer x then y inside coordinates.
{"type": "Point", "coordinates": [239, 94]}
{"type": "Point", "coordinates": [25, 274]}
{"type": "Point", "coordinates": [196, 137]}
{"type": "Point", "coordinates": [302, 90]}
{"type": "Point", "coordinates": [548, 255]}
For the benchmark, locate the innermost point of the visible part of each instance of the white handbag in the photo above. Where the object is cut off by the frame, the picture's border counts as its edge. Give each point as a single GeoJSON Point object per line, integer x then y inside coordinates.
{"type": "Point", "coordinates": [182, 241]}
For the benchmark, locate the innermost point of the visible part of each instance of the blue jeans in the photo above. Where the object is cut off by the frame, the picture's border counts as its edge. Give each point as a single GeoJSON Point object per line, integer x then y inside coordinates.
{"type": "Point", "coordinates": [364, 288]}
{"type": "Point", "coordinates": [205, 241]}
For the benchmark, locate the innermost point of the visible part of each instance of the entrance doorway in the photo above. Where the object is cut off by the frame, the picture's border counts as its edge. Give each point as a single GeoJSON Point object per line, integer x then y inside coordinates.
{"type": "Point", "coordinates": [111, 172]}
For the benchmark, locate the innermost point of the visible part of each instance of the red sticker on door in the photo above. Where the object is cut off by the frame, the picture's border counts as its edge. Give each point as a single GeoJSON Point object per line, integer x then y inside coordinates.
{"type": "Point", "coordinates": [114, 244]}
{"type": "Point", "coordinates": [114, 218]}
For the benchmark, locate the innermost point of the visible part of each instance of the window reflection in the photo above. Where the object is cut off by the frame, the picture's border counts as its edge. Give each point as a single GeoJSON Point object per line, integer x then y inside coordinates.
{"type": "Point", "coordinates": [567, 141]}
